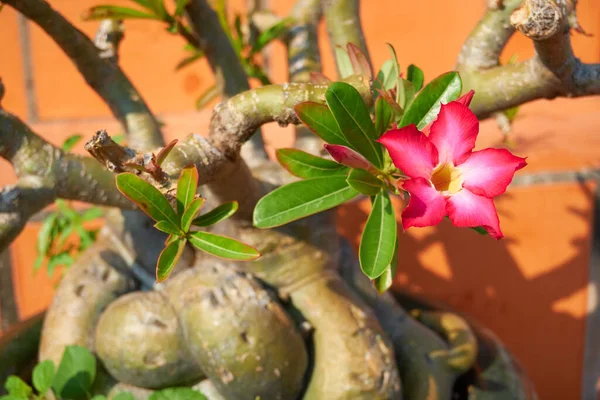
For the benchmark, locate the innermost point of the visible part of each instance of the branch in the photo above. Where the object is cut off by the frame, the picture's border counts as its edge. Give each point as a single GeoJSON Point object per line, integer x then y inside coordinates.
{"type": "Point", "coordinates": [46, 173]}
{"type": "Point", "coordinates": [302, 42]}
{"type": "Point", "coordinates": [553, 71]}
{"type": "Point", "coordinates": [229, 73]}
{"type": "Point", "coordinates": [103, 75]}
{"type": "Point", "coordinates": [108, 37]}
{"type": "Point", "coordinates": [343, 26]}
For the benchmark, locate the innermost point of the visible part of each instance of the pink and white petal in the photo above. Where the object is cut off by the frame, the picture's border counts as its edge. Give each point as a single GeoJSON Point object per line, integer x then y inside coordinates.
{"type": "Point", "coordinates": [426, 207]}
{"type": "Point", "coordinates": [466, 98]}
{"type": "Point", "coordinates": [454, 132]}
{"type": "Point", "coordinates": [468, 210]}
{"type": "Point", "coordinates": [489, 172]}
{"type": "Point", "coordinates": [411, 151]}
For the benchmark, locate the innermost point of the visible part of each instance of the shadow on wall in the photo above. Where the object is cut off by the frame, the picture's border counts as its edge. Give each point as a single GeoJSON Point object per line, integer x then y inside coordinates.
{"type": "Point", "coordinates": [530, 288]}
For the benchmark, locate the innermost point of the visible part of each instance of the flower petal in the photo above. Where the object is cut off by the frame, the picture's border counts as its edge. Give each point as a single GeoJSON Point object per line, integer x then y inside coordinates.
{"type": "Point", "coordinates": [466, 209]}
{"type": "Point", "coordinates": [346, 156]}
{"type": "Point", "coordinates": [488, 172]}
{"type": "Point", "coordinates": [466, 98]}
{"type": "Point", "coordinates": [411, 151]}
{"type": "Point", "coordinates": [426, 207]}
{"type": "Point", "coordinates": [454, 132]}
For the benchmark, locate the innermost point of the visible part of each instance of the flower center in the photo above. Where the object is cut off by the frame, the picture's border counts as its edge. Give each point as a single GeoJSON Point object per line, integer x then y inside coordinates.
{"type": "Point", "coordinates": [447, 178]}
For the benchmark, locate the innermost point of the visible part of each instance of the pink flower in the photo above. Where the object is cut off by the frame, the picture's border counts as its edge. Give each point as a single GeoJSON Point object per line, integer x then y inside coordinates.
{"type": "Point", "coordinates": [446, 176]}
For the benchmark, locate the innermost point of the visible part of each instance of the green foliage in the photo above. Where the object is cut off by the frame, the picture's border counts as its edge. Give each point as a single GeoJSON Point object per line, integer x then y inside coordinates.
{"type": "Point", "coordinates": [364, 182]}
{"type": "Point", "coordinates": [75, 374]}
{"type": "Point", "coordinates": [178, 224]}
{"type": "Point", "coordinates": [305, 165]}
{"type": "Point", "coordinates": [181, 393]}
{"type": "Point", "coordinates": [71, 142]}
{"type": "Point", "coordinates": [427, 104]}
{"type": "Point", "coordinates": [43, 376]}
{"type": "Point", "coordinates": [416, 76]}
{"type": "Point", "coordinates": [379, 237]}
{"type": "Point", "coordinates": [319, 120]}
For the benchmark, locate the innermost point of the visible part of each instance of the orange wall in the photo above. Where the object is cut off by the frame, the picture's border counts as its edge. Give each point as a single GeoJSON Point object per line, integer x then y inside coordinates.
{"type": "Point", "coordinates": [531, 287]}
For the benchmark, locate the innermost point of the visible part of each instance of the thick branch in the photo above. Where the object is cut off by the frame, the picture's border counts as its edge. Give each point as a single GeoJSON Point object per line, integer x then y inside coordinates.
{"type": "Point", "coordinates": [229, 73]}
{"type": "Point", "coordinates": [302, 44]}
{"type": "Point", "coordinates": [343, 25]}
{"type": "Point", "coordinates": [486, 41]}
{"type": "Point", "coordinates": [108, 37]}
{"type": "Point", "coordinates": [104, 76]}
{"type": "Point", "coordinates": [553, 71]}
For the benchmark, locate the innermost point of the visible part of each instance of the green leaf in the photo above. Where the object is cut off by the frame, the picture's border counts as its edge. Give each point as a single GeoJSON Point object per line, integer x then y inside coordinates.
{"type": "Point", "coordinates": [63, 258]}
{"type": "Point", "coordinates": [180, 7]}
{"type": "Point", "coordinates": [384, 281]}
{"type": "Point", "coordinates": [416, 76]}
{"type": "Point", "coordinates": [354, 120]}
{"type": "Point", "coordinates": [168, 258]}
{"type": "Point", "coordinates": [386, 79]}
{"type": "Point", "coordinates": [406, 93]}
{"type": "Point", "coordinates": [70, 142]}
{"type": "Point", "coordinates": [15, 386]}
{"type": "Point", "coordinates": [319, 119]}
{"type": "Point", "coordinates": [91, 214]}
{"type": "Point", "coordinates": [167, 227]}
{"type": "Point", "coordinates": [189, 60]}
{"type": "Point", "coordinates": [43, 376]}
{"type": "Point", "coordinates": [305, 165]}
{"type": "Point", "coordinates": [223, 246]}
{"type": "Point", "coordinates": [116, 12]}
{"type": "Point", "coordinates": [190, 213]}
{"type": "Point", "coordinates": [511, 113]}
{"type": "Point", "coordinates": [395, 71]}
{"type": "Point", "coordinates": [44, 239]}
{"type": "Point", "coordinates": [147, 197]}
{"type": "Point", "coordinates": [171, 239]}
{"type": "Point", "coordinates": [182, 393]}
{"type": "Point", "coordinates": [426, 105]}
{"type": "Point", "coordinates": [217, 214]}
{"type": "Point", "coordinates": [101, 397]}
{"type": "Point", "coordinates": [270, 34]}
{"type": "Point", "coordinates": [301, 199]}
{"type": "Point", "coordinates": [480, 230]}
{"type": "Point", "coordinates": [364, 182]}
{"type": "Point", "coordinates": [379, 237]}
{"type": "Point", "coordinates": [360, 64]}
{"type": "Point", "coordinates": [384, 116]}
{"type": "Point", "coordinates": [159, 9]}
{"type": "Point", "coordinates": [186, 188]}
{"type": "Point", "coordinates": [75, 374]}
{"type": "Point", "coordinates": [206, 97]}
{"type": "Point", "coordinates": [343, 62]}
{"type": "Point", "coordinates": [165, 151]}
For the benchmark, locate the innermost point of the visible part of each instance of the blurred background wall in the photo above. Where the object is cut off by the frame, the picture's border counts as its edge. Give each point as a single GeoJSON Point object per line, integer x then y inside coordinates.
{"type": "Point", "coordinates": [536, 288]}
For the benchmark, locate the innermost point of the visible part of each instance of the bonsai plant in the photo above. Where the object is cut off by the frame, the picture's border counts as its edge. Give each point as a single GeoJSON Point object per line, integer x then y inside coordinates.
{"type": "Point", "coordinates": [285, 310]}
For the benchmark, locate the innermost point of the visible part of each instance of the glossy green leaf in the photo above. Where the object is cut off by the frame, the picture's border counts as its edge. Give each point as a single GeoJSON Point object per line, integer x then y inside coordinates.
{"type": "Point", "coordinates": [223, 246]}
{"type": "Point", "coordinates": [217, 214]}
{"type": "Point", "coordinates": [91, 214]}
{"type": "Point", "coordinates": [364, 182]}
{"type": "Point", "coordinates": [168, 258]}
{"type": "Point", "coordinates": [102, 397]}
{"type": "Point", "coordinates": [379, 237]}
{"type": "Point", "coordinates": [319, 119]}
{"type": "Point", "coordinates": [343, 62]}
{"type": "Point", "coordinates": [75, 374]}
{"type": "Point", "coordinates": [171, 239]}
{"type": "Point", "coordinates": [9, 396]}
{"type": "Point", "coordinates": [70, 142]}
{"type": "Point", "coordinates": [15, 386]}
{"type": "Point", "coordinates": [384, 281]}
{"type": "Point", "coordinates": [44, 239]}
{"type": "Point", "coordinates": [270, 34]}
{"type": "Point", "coordinates": [190, 213]}
{"type": "Point", "coordinates": [354, 120]}
{"type": "Point", "coordinates": [406, 93]}
{"type": "Point", "coordinates": [181, 393]}
{"type": "Point", "coordinates": [116, 12]}
{"type": "Point", "coordinates": [385, 78]}
{"type": "Point", "coordinates": [43, 376]}
{"type": "Point", "coordinates": [186, 188]}
{"type": "Point", "coordinates": [158, 6]}
{"type": "Point", "coordinates": [207, 96]}
{"type": "Point", "coordinates": [189, 60]}
{"type": "Point", "coordinates": [416, 76]}
{"type": "Point", "coordinates": [384, 116]}
{"type": "Point", "coordinates": [426, 105]}
{"type": "Point", "coordinates": [480, 230]}
{"type": "Point", "coordinates": [305, 165]}
{"type": "Point", "coordinates": [301, 199]}
{"type": "Point", "coordinates": [147, 197]}
{"type": "Point", "coordinates": [395, 71]}
{"type": "Point", "coordinates": [167, 227]}
{"type": "Point", "coordinates": [63, 258]}
{"type": "Point", "coordinates": [180, 7]}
